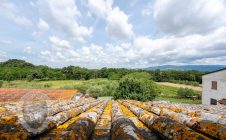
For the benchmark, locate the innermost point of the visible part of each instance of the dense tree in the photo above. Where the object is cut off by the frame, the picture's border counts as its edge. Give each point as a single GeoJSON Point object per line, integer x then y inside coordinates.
{"type": "Point", "coordinates": [15, 63]}
{"type": "Point", "coordinates": [139, 75]}
{"type": "Point", "coordinates": [136, 89]}
{"type": "Point", "coordinates": [14, 69]}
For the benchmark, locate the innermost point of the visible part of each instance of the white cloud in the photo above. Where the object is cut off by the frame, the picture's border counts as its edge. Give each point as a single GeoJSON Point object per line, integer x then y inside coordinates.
{"type": "Point", "coordinates": [100, 7]}
{"type": "Point", "coordinates": [42, 25]}
{"type": "Point", "coordinates": [117, 24]}
{"type": "Point", "coordinates": [11, 12]}
{"type": "Point", "coordinates": [183, 17]}
{"type": "Point", "coordinates": [60, 43]}
{"type": "Point", "coordinates": [47, 56]}
{"type": "Point", "coordinates": [46, 53]}
{"type": "Point", "coordinates": [117, 21]}
{"type": "Point", "coordinates": [28, 50]}
{"type": "Point", "coordinates": [61, 51]}
{"type": "Point", "coordinates": [181, 50]}
{"type": "Point", "coordinates": [63, 15]}
{"type": "Point", "coordinates": [144, 51]}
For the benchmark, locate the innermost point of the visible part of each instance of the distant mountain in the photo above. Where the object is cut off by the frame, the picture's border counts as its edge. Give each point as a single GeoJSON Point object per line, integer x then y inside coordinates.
{"type": "Point", "coordinates": [188, 67]}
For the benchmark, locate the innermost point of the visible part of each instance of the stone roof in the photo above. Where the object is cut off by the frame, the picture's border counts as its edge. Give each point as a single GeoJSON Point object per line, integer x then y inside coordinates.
{"type": "Point", "coordinates": [12, 94]}
{"type": "Point", "coordinates": [88, 118]}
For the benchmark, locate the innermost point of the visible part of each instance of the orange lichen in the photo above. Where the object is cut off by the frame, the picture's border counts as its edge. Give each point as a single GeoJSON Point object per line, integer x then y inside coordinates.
{"type": "Point", "coordinates": [124, 119]}
{"type": "Point", "coordinates": [2, 110]}
{"type": "Point", "coordinates": [191, 135]}
{"type": "Point", "coordinates": [131, 116]}
{"type": "Point", "coordinates": [8, 119]}
{"type": "Point", "coordinates": [212, 129]}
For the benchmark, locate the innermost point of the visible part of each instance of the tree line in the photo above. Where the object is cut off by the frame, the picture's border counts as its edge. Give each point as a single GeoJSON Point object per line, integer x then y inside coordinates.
{"type": "Point", "coordinates": [15, 69]}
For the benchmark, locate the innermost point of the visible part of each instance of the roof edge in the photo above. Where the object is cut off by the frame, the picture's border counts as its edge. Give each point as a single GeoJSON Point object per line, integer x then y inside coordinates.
{"type": "Point", "coordinates": [214, 71]}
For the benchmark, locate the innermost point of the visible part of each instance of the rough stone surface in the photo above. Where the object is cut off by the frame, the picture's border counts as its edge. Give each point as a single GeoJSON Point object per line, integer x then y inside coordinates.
{"type": "Point", "coordinates": [88, 118]}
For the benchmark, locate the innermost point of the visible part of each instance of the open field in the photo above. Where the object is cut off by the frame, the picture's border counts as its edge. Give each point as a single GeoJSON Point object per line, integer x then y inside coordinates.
{"type": "Point", "coordinates": [59, 84]}
{"type": "Point", "coordinates": [14, 94]}
{"type": "Point", "coordinates": [179, 85]}
{"type": "Point", "coordinates": [95, 87]}
{"type": "Point", "coordinates": [175, 100]}
{"type": "Point", "coordinates": [88, 118]}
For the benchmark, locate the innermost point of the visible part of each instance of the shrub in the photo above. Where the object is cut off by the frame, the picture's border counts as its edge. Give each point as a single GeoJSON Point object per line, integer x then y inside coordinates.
{"type": "Point", "coordinates": [1, 83]}
{"type": "Point", "coordinates": [81, 87]}
{"type": "Point", "coordinates": [97, 87]}
{"type": "Point", "coordinates": [45, 79]}
{"type": "Point", "coordinates": [186, 92]}
{"type": "Point", "coordinates": [136, 89]}
{"type": "Point", "coordinates": [95, 91]}
{"type": "Point", "coordinates": [138, 75]}
{"type": "Point", "coordinates": [48, 85]}
{"type": "Point", "coordinates": [29, 78]}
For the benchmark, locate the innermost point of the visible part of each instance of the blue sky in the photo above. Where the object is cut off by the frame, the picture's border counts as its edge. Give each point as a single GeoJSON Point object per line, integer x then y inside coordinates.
{"type": "Point", "coordinates": [113, 33]}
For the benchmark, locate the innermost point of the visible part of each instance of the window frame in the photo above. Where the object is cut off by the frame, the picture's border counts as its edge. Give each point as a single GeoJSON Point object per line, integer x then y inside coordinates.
{"type": "Point", "coordinates": [214, 85]}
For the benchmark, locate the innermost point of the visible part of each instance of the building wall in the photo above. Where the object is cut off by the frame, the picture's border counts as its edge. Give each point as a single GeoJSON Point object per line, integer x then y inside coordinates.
{"type": "Point", "coordinates": [208, 92]}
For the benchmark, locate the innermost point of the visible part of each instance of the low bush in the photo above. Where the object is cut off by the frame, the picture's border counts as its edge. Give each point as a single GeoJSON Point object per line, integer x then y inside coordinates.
{"type": "Point", "coordinates": [136, 89]}
{"type": "Point", "coordinates": [186, 92]}
{"type": "Point", "coordinates": [48, 85]}
{"type": "Point", "coordinates": [95, 91]}
{"type": "Point", "coordinates": [97, 87]}
{"type": "Point", "coordinates": [29, 78]}
{"type": "Point", "coordinates": [81, 87]}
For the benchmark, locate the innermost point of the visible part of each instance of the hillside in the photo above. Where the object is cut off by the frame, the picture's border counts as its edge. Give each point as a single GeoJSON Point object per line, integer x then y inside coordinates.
{"type": "Point", "coordinates": [188, 67]}
{"type": "Point", "coordinates": [15, 63]}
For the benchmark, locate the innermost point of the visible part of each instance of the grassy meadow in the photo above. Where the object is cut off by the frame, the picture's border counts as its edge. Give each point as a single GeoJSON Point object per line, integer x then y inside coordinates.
{"type": "Point", "coordinates": [95, 87]}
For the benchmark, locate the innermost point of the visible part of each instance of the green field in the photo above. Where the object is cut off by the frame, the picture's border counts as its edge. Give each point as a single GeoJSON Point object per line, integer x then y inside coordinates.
{"type": "Point", "coordinates": [170, 91]}
{"type": "Point", "coordinates": [94, 87]}
{"type": "Point", "coordinates": [175, 100]}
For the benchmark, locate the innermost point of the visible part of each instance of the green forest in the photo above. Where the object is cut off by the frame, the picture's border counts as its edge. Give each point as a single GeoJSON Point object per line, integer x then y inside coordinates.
{"type": "Point", "coordinates": [119, 83]}
{"type": "Point", "coordinates": [15, 69]}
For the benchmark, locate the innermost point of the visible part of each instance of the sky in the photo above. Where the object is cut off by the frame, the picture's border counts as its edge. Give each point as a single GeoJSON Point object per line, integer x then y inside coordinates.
{"type": "Point", "coordinates": [113, 33]}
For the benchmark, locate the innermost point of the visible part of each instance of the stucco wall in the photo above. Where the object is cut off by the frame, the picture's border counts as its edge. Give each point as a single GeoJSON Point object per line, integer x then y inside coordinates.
{"type": "Point", "coordinates": [207, 92]}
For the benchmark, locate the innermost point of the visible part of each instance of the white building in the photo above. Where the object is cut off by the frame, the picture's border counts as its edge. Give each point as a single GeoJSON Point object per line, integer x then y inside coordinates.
{"type": "Point", "coordinates": [214, 88]}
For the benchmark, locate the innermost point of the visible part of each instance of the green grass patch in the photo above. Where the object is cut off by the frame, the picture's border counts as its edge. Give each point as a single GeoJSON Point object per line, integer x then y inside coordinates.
{"type": "Point", "coordinates": [94, 87]}
{"type": "Point", "coordinates": [184, 100]}
{"type": "Point", "coordinates": [169, 91]}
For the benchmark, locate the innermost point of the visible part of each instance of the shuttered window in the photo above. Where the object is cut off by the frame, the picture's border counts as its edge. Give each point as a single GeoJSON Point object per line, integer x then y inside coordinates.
{"type": "Point", "coordinates": [214, 85]}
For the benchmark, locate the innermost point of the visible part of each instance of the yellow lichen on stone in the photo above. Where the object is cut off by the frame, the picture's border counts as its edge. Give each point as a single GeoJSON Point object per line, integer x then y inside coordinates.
{"type": "Point", "coordinates": [74, 119]}
{"type": "Point", "coordinates": [100, 132]}
{"type": "Point", "coordinates": [2, 110]}
{"type": "Point", "coordinates": [131, 116]}
{"type": "Point", "coordinates": [8, 119]}
{"type": "Point", "coordinates": [14, 136]}
{"type": "Point", "coordinates": [103, 125]}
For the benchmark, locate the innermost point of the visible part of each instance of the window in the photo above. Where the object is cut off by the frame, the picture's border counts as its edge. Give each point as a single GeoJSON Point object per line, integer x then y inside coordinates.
{"type": "Point", "coordinates": [213, 101]}
{"type": "Point", "coordinates": [214, 85]}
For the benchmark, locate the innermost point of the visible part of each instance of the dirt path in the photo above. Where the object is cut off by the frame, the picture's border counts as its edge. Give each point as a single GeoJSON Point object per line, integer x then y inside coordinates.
{"type": "Point", "coordinates": [180, 85]}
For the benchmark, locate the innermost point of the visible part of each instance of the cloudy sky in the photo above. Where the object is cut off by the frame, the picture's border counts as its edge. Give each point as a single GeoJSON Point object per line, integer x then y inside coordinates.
{"type": "Point", "coordinates": [113, 33]}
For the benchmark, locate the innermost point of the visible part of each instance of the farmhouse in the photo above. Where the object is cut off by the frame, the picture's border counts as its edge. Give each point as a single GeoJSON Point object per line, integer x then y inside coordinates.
{"type": "Point", "coordinates": [214, 88]}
